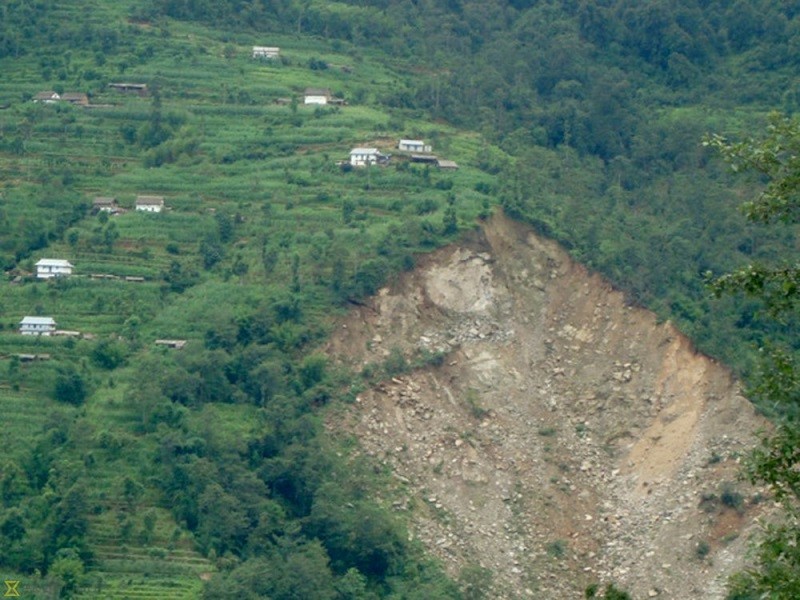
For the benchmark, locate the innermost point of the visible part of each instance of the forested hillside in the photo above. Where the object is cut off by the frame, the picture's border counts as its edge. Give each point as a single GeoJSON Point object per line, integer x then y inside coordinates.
{"type": "Point", "coordinates": [135, 464]}
{"type": "Point", "coordinates": [599, 108]}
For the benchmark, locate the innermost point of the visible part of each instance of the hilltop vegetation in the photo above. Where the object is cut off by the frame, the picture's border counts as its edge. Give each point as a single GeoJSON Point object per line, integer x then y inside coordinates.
{"type": "Point", "coordinates": [130, 461]}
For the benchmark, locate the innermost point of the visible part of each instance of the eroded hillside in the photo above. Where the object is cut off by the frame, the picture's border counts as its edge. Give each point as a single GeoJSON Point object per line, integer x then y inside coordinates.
{"type": "Point", "coordinates": [567, 437]}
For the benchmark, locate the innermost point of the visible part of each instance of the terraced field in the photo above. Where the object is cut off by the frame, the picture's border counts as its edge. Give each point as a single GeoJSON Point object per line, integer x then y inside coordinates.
{"type": "Point", "coordinates": [126, 568]}
{"type": "Point", "coordinates": [257, 209]}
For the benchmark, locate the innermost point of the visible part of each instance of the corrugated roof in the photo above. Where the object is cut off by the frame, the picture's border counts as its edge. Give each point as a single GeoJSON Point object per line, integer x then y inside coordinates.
{"type": "Point", "coordinates": [140, 200]}
{"type": "Point", "coordinates": [364, 151]}
{"type": "Point", "coordinates": [447, 164]}
{"type": "Point", "coordinates": [38, 321]}
{"type": "Point", "coordinates": [72, 96]}
{"type": "Point", "coordinates": [53, 262]}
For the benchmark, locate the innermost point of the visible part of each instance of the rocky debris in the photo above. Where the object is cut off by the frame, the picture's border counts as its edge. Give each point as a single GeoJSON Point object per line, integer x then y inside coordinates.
{"type": "Point", "coordinates": [566, 439]}
{"type": "Point", "coordinates": [464, 331]}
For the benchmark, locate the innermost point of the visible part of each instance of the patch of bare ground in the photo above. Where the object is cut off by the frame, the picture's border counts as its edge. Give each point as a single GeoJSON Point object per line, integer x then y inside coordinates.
{"type": "Point", "coordinates": [566, 438]}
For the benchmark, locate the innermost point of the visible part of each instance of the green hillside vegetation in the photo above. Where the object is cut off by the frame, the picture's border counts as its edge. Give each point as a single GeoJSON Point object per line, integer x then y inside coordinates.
{"type": "Point", "coordinates": [133, 469]}
{"type": "Point", "coordinates": [600, 108]}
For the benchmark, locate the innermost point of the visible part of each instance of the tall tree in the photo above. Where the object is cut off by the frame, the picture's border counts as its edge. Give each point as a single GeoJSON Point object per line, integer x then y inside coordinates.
{"type": "Point", "coordinates": [776, 158]}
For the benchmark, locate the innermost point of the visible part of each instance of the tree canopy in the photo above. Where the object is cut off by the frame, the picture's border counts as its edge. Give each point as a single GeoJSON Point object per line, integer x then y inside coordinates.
{"type": "Point", "coordinates": [774, 462]}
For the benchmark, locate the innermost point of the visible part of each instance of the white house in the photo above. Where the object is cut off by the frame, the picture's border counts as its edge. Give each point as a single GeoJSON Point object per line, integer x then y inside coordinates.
{"type": "Point", "coordinates": [47, 268]}
{"type": "Point", "coordinates": [150, 203]}
{"type": "Point", "coordinates": [413, 146]}
{"type": "Point", "coordinates": [361, 157]}
{"type": "Point", "coordinates": [37, 326]}
{"type": "Point", "coordinates": [266, 52]}
{"type": "Point", "coordinates": [317, 96]}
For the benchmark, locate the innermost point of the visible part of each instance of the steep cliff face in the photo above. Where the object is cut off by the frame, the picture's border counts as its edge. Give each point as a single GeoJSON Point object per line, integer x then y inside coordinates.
{"type": "Point", "coordinates": [566, 438]}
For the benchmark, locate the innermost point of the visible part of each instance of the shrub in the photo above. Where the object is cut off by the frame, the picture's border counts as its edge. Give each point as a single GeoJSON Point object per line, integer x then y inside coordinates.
{"type": "Point", "coordinates": [473, 403]}
{"type": "Point", "coordinates": [484, 187]}
{"type": "Point", "coordinates": [109, 354]}
{"type": "Point", "coordinates": [444, 184]}
{"type": "Point", "coordinates": [425, 206]}
{"type": "Point", "coordinates": [70, 387]}
{"type": "Point", "coordinates": [395, 363]}
{"type": "Point", "coordinates": [702, 550]}
{"type": "Point", "coordinates": [611, 592]}
{"type": "Point", "coordinates": [557, 549]}
{"type": "Point", "coordinates": [731, 498]}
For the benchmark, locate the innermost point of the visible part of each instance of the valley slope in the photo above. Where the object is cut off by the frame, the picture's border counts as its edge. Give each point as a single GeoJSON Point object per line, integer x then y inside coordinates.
{"type": "Point", "coordinates": [566, 437]}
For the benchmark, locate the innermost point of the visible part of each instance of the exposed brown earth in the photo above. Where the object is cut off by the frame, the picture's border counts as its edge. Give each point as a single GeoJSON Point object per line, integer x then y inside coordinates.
{"type": "Point", "coordinates": [567, 438]}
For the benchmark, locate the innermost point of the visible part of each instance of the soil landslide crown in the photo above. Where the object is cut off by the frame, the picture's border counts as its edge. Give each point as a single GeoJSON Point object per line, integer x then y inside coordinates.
{"type": "Point", "coordinates": [566, 437]}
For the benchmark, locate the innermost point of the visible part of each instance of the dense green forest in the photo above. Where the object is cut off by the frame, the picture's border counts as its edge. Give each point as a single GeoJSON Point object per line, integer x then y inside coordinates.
{"type": "Point", "coordinates": [130, 464]}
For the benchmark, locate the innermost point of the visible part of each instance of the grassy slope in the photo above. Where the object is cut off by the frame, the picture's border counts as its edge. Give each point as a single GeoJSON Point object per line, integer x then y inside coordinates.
{"type": "Point", "coordinates": [288, 189]}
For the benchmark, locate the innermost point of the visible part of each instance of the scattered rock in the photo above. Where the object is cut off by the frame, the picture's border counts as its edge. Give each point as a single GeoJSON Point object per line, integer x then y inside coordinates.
{"type": "Point", "coordinates": [566, 437]}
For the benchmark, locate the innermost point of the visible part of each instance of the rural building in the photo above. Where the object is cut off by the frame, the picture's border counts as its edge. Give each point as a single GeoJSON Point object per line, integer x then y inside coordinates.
{"type": "Point", "coordinates": [130, 88]}
{"type": "Point", "coordinates": [76, 98]}
{"type": "Point", "coordinates": [105, 204]}
{"type": "Point", "coordinates": [266, 52]}
{"type": "Point", "coordinates": [174, 344]}
{"type": "Point", "coordinates": [37, 326]}
{"type": "Point", "coordinates": [361, 157]}
{"type": "Point", "coordinates": [67, 333]}
{"type": "Point", "coordinates": [447, 164]}
{"type": "Point", "coordinates": [424, 158]}
{"type": "Point", "coordinates": [47, 268]}
{"type": "Point", "coordinates": [413, 146]}
{"type": "Point", "coordinates": [32, 357]}
{"type": "Point", "coordinates": [317, 96]}
{"type": "Point", "coordinates": [48, 97]}
{"type": "Point", "coordinates": [150, 203]}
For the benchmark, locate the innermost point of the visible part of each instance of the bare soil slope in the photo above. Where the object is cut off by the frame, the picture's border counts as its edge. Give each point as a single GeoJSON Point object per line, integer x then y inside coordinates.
{"type": "Point", "coordinates": [567, 438]}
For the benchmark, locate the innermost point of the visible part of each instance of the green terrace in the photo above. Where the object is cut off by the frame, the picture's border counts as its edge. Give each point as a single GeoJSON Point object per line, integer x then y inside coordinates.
{"type": "Point", "coordinates": [264, 238]}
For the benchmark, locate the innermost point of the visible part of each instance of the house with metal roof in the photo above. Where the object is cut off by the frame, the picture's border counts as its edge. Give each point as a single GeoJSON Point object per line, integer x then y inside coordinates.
{"type": "Point", "coordinates": [37, 326]}
{"type": "Point", "coordinates": [150, 203]}
{"type": "Point", "coordinates": [317, 96]}
{"type": "Point", "coordinates": [266, 52]}
{"type": "Point", "coordinates": [76, 98]}
{"type": "Point", "coordinates": [47, 97]}
{"type": "Point", "coordinates": [362, 157]}
{"type": "Point", "coordinates": [47, 268]}
{"type": "Point", "coordinates": [413, 146]}
{"type": "Point", "coordinates": [105, 204]}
